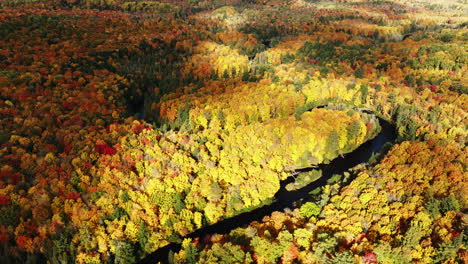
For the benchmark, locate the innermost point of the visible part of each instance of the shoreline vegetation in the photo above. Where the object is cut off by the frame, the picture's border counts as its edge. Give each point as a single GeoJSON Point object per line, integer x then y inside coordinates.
{"type": "Point", "coordinates": [308, 182]}
{"type": "Point", "coordinates": [230, 92]}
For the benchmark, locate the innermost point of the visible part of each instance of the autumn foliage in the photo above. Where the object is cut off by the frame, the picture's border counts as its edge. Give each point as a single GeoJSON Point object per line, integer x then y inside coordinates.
{"type": "Point", "coordinates": [127, 125]}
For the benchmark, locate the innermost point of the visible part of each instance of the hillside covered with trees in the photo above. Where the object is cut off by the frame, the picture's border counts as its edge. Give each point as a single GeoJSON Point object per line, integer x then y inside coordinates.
{"type": "Point", "coordinates": [128, 125]}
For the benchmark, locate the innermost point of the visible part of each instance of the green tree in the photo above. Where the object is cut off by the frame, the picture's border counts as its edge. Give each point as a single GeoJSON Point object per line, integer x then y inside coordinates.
{"type": "Point", "coordinates": [266, 249]}
{"type": "Point", "coordinates": [310, 209]}
{"type": "Point", "coordinates": [124, 252]}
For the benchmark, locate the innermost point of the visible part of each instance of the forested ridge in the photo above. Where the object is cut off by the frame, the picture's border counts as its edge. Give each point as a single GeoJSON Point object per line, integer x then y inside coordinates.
{"type": "Point", "coordinates": [127, 125]}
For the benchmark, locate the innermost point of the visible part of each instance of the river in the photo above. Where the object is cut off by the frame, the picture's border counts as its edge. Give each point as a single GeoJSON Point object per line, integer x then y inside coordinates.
{"type": "Point", "coordinates": [286, 199]}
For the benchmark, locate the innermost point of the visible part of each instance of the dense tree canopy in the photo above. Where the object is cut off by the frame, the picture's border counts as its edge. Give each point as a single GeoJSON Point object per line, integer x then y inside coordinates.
{"type": "Point", "coordinates": [127, 125]}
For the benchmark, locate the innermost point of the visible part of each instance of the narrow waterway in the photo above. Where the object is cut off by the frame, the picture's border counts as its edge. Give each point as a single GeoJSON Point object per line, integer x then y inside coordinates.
{"type": "Point", "coordinates": [286, 199]}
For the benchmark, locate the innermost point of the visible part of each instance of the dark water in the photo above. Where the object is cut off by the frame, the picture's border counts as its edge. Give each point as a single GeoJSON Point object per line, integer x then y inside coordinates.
{"type": "Point", "coordinates": [285, 199]}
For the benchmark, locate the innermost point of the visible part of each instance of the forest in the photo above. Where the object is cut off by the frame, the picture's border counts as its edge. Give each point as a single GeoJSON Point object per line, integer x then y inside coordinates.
{"type": "Point", "coordinates": [126, 126]}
